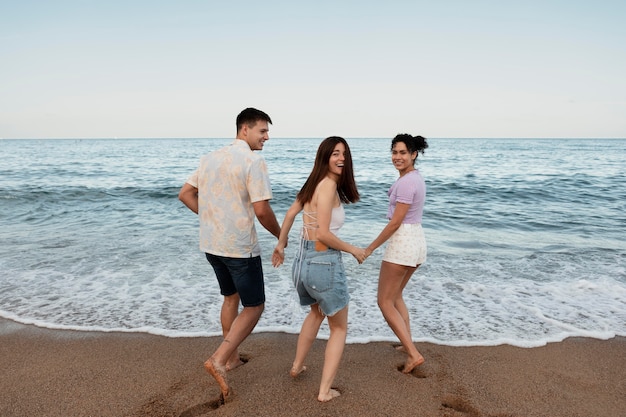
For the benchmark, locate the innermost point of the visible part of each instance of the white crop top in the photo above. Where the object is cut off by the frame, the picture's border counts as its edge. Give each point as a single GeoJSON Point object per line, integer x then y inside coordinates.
{"type": "Point", "coordinates": [337, 219]}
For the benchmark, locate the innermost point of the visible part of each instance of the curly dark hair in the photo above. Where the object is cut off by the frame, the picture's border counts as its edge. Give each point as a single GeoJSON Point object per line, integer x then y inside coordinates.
{"type": "Point", "coordinates": [413, 143]}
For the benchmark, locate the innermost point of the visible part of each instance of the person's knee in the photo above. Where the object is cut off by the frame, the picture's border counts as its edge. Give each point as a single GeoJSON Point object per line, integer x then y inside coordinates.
{"type": "Point", "coordinates": [384, 303]}
{"type": "Point", "coordinates": [229, 300]}
{"type": "Point", "coordinates": [386, 307]}
{"type": "Point", "coordinates": [338, 327]}
{"type": "Point", "coordinates": [257, 309]}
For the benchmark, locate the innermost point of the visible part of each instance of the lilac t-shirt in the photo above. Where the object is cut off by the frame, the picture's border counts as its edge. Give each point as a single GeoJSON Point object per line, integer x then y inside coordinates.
{"type": "Point", "coordinates": [409, 189]}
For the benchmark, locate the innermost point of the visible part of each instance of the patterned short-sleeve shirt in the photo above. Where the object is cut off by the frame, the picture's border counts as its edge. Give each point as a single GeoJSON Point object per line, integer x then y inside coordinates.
{"type": "Point", "coordinates": [229, 180]}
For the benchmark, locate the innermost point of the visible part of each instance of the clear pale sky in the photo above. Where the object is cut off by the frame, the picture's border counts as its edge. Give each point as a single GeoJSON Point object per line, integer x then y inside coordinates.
{"type": "Point", "coordinates": [180, 69]}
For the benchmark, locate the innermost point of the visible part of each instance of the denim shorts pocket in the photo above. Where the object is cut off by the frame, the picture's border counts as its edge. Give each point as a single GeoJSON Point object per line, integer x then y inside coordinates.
{"type": "Point", "coordinates": [320, 273]}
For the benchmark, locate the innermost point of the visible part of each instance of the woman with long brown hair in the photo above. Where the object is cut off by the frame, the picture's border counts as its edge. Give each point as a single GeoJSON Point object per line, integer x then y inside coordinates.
{"type": "Point", "coordinates": [318, 271]}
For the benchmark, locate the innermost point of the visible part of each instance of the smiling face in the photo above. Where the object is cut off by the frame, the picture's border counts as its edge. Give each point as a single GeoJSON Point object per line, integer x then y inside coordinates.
{"type": "Point", "coordinates": [401, 158]}
{"type": "Point", "coordinates": [255, 135]}
{"type": "Point", "coordinates": [337, 159]}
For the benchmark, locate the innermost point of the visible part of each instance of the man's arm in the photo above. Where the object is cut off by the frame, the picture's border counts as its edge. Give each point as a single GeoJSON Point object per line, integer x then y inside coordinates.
{"type": "Point", "coordinates": [189, 196]}
{"type": "Point", "coordinates": [278, 257]}
{"type": "Point", "coordinates": [266, 216]}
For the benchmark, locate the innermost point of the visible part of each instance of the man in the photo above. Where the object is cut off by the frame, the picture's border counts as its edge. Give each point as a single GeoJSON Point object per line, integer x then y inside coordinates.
{"type": "Point", "coordinates": [228, 190]}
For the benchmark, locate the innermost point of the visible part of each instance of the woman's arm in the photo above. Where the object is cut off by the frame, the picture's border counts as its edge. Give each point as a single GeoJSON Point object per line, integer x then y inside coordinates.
{"type": "Point", "coordinates": [278, 257]}
{"type": "Point", "coordinates": [391, 227]}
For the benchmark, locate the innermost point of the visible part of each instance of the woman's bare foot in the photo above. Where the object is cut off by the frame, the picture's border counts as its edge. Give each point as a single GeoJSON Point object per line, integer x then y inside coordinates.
{"type": "Point", "coordinates": [294, 372]}
{"type": "Point", "coordinates": [412, 364]}
{"type": "Point", "coordinates": [400, 348]}
{"type": "Point", "coordinates": [333, 393]}
{"type": "Point", "coordinates": [219, 373]}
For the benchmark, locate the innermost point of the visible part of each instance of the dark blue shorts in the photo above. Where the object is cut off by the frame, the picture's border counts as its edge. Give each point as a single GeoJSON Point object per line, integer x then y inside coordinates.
{"type": "Point", "coordinates": [243, 276]}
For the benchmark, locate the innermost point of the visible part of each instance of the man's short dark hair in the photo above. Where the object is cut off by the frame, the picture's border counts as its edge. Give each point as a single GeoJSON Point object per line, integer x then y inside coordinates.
{"type": "Point", "coordinates": [250, 116]}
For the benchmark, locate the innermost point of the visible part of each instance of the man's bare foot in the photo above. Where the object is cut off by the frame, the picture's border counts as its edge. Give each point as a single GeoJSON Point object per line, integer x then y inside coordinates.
{"type": "Point", "coordinates": [219, 373]}
{"type": "Point", "coordinates": [400, 348]}
{"type": "Point", "coordinates": [225, 398]}
{"type": "Point", "coordinates": [235, 361]}
{"type": "Point", "coordinates": [410, 365]}
{"type": "Point", "coordinates": [294, 372]}
{"type": "Point", "coordinates": [333, 393]}
{"type": "Point", "coordinates": [232, 365]}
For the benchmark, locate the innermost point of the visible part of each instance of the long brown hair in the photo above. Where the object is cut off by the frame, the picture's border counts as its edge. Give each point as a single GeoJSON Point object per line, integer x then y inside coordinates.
{"type": "Point", "coordinates": [346, 187]}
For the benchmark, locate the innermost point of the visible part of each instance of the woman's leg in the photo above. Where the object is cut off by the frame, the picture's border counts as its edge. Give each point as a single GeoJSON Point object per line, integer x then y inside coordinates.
{"type": "Point", "coordinates": [399, 302]}
{"type": "Point", "coordinates": [391, 281]}
{"type": "Point", "coordinates": [308, 333]}
{"type": "Point", "coordinates": [338, 324]}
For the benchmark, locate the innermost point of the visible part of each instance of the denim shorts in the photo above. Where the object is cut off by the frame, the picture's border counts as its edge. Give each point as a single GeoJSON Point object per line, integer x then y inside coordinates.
{"type": "Point", "coordinates": [319, 277]}
{"type": "Point", "coordinates": [243, 276]}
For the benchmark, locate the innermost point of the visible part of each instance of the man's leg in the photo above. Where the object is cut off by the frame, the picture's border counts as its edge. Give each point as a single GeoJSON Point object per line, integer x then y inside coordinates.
{"type": "Point", "coordinates": [230, 310]}
{"type": "Point", "coordinates": [241, 328]}
{"type": "Point", "coordinates": [246, 274]}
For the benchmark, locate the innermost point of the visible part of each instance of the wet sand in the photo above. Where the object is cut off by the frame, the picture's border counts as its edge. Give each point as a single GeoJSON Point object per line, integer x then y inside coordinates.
{"type": "Point", "coordinates": [66, 373]}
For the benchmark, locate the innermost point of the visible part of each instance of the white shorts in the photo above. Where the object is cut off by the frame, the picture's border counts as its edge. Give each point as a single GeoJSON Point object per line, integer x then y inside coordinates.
{"type": "Point", "coordinates": [407, 246]}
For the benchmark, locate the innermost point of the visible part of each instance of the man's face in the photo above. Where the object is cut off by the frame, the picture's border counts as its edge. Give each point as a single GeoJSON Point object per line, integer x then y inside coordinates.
{"type": "Point", "coordinates": [256, 135]}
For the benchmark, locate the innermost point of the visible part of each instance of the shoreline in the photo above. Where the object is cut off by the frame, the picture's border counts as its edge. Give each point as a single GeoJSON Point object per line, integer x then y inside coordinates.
{"type": "Point", "coordinates": [8, 324]}
{"type": "Point", "coordinates": [76, 373]}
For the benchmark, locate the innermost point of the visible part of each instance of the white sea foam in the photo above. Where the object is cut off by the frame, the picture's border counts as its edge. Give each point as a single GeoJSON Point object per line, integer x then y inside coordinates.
{"type": "Point", "coordinates": [451, 302]}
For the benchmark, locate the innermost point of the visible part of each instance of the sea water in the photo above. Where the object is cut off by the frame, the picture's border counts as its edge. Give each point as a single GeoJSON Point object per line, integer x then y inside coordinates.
{"type": "Point", "coordinates": [525, 239]}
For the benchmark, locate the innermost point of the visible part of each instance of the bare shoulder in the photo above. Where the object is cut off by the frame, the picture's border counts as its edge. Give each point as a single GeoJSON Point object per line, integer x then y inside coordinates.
{"type": "Point", "coordinates": [327, 186]}
{"type": "Point", "coordinates": [325, 193]}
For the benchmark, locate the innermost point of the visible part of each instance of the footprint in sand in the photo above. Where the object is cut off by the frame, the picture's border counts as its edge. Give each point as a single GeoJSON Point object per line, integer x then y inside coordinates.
{"type": "Point", "coordinates": [418, 372]}
{"type": "Point", "coordinates": [201, 409]}
{"type": "Point", "coordinates": [461, 405]}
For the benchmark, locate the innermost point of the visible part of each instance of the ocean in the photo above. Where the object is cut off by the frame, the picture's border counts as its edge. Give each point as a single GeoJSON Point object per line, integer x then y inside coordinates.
{"type": "Point", "coordinates": [525, 239]}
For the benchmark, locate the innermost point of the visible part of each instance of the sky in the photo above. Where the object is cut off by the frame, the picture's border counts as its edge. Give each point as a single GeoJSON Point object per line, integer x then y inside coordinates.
{"type": "Point", "coordinates": [185, 69]}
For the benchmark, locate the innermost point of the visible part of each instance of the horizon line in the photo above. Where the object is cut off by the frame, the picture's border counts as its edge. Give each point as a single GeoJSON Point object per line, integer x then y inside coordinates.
{"type": "Point", "coordinates": [320, 137]}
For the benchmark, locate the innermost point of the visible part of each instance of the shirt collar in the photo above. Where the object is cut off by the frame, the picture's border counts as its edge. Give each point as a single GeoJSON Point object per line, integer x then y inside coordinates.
{"type": "Point", "coordinates": [241, 144]}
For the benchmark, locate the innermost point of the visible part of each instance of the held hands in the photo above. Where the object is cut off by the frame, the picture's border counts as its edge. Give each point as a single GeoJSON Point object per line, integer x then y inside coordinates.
{"type": "Point", "coordinates": [359, 254]}
{"type": "Point", "coordinates": [278, 256]}
{"type": "Point", "coordinates": [362, 254]}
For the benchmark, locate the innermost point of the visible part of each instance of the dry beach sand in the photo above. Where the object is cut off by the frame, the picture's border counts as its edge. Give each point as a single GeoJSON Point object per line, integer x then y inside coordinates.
{"type": "Point", "coordinates": [66, 373]}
